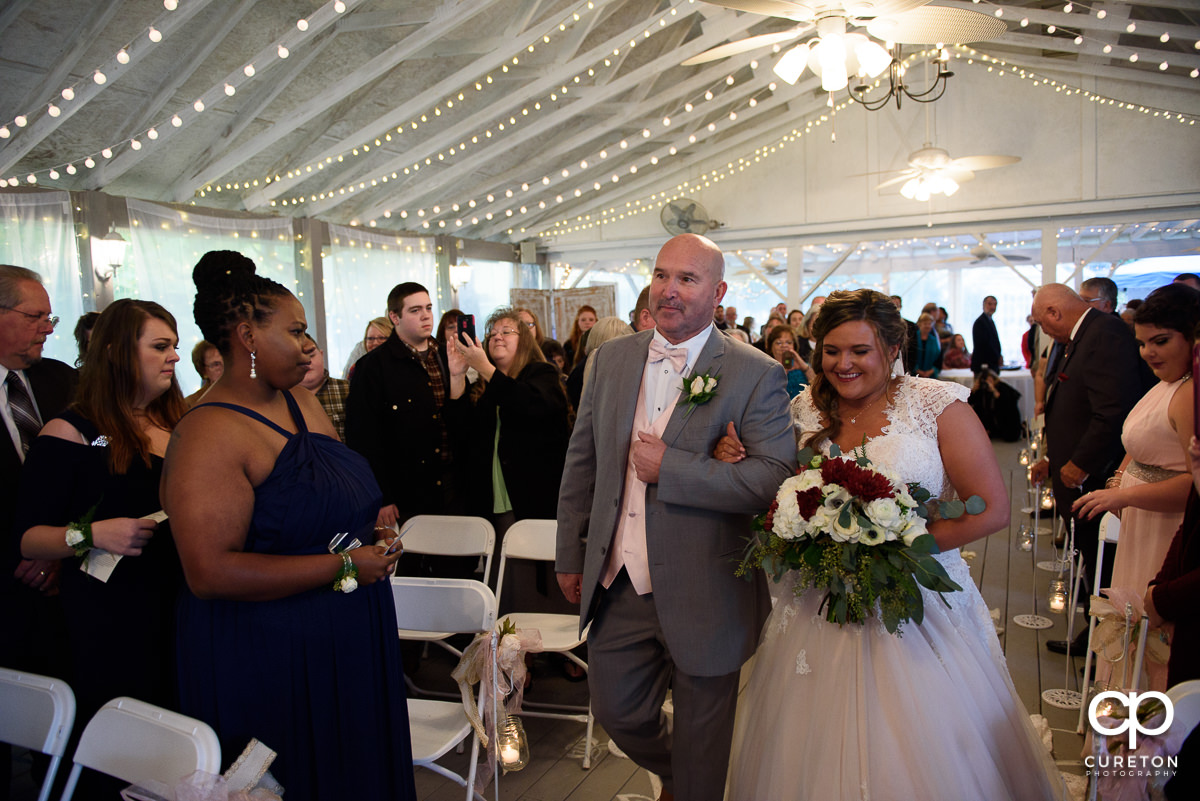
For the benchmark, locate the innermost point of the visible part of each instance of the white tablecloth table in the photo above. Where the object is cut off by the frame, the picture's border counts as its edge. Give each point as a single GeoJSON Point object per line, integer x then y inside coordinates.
{"type": "Point", "coordinates": [1020, 380]}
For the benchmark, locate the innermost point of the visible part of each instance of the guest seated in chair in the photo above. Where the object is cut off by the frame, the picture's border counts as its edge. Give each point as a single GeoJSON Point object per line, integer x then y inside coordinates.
{"type": "Point", "coordinates": [997, 405]}
{"type": "Point", "coordinates": [956, 357]}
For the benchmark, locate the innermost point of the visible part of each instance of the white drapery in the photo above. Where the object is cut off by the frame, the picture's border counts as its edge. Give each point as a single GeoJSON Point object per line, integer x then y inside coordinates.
{"type": "Point", "coordinates": [166, 243]}
{"type": "Point", "coordinates": [37, 232]}
{"type": "Point", "coordinates": [360, 269]}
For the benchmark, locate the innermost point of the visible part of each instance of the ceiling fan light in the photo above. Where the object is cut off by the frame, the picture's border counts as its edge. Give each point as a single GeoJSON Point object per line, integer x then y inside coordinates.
{"type": "Point", "coordinates": [949, 186]}
{"type": "Point", "coordinates": [790, 65]}
{"type": "Point", "coordinates": [831, 59]}
{"type": "Point", "coordinates": [872, 59]}
{"type": "Point", "coordinates": [909, 189]}
{"type": "Point", "coordinates": [922, 193]}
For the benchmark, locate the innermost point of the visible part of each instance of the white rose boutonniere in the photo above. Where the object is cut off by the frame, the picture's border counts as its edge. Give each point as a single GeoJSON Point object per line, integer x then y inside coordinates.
{"type": "Point", "coordinates": [697, 390]}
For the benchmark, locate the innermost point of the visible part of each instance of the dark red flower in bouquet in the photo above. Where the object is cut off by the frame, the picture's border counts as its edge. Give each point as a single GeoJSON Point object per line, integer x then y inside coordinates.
{"type": "Point", "coordinates": [769, 518]}
{"type": "Point", "coordinates": [808, 501]}
{"type": "Point", "coordinates": [860, 482]}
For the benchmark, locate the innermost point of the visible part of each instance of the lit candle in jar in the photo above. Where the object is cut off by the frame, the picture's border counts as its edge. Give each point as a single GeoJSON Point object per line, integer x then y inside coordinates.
{"type": "Point", "coordinates": [509, 754]}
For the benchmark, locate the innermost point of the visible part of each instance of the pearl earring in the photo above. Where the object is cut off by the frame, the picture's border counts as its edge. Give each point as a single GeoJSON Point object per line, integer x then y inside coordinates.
{"type": "Point", "coordinates": [253, 372]}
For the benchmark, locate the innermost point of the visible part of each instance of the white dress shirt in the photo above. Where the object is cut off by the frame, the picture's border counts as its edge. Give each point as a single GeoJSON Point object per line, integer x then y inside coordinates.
{"type": "Point", "coordinates": [661, 378]}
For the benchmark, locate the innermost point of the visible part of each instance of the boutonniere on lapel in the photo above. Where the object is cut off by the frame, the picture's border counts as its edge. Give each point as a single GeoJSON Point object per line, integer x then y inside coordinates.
{"type": "Point", "coordinates": [697, 390]}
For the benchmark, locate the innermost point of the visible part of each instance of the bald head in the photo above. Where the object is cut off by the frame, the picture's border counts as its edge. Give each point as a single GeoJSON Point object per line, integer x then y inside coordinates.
{"type": "Point", "coordinates": [1056, 308]}
{"type": "Point", "coordinates": [697, 250]}
{"type": "Point", "coordinates": [686, 286]}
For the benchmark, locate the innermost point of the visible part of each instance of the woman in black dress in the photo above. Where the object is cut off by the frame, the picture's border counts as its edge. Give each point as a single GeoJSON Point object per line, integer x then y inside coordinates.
{"type": "Point", "coordinates": [95, 470]}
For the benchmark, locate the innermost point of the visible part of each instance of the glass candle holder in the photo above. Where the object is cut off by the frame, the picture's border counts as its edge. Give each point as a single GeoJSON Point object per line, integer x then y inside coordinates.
{"type": "Point", "coordinates": [1047, 498]}
{"type": "Point", "coordinates": [1025, 538]}
{"type": "Point", "coordinates": [512, 746]}
{"type": "Point", "coordinates": [1023, 457]}
{"type": "Point", "coordinates": [1056, 597]}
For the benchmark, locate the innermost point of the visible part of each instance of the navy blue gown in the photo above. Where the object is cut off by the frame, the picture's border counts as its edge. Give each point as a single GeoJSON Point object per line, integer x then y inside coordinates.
{"type": "Point", "coordinates": [315, 676]}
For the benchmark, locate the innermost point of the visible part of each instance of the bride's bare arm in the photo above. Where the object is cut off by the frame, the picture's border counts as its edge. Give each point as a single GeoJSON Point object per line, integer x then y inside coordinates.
{"type": "Point", "coordinates": [971, 466]}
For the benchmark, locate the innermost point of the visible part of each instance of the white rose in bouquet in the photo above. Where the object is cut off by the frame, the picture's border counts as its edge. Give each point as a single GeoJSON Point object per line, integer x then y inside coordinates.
{"type": "Point", "coordinates": [915, 528]}
{"type": "Point", "coordinates": [883, 512]}
{"type": "Point", "coordinates": [74, 537]}
{"type": "Point", "coordinates": [850, 532]}
{"type": "Point", "coordinates": [697, 385]}
{"type": "Point", "coordinates": [710, 385]}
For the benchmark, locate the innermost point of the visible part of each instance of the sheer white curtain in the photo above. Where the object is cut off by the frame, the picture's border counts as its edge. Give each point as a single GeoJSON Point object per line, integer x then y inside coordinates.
{"type": "Point", "coordinates": [166, 243]}
{"type": "Point", "coordinates": [37, 232]}
{"type": "Point", "coordinates": [486, 291]}
{"type": "Point", "coordinates": [361, 268]}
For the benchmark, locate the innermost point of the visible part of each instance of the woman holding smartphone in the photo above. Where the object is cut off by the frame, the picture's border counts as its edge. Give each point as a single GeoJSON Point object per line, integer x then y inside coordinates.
{"type": "Point", "coordinates": [782, 346]}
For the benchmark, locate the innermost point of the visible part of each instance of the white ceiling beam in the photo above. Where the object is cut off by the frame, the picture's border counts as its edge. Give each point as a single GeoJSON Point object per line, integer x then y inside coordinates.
{"type": "Point", "coordinates": [450, 15]}
{"type": "Point", "coordinates": [12, 10]}
{"type": "Point", "coordinates": [1151, 55]}
{"type": "Point", "coordinates": [380, 20]}
{"type": "Point", "coordinates": [75, 44]}
{"type": "Point", "coordinates": [144, 114]}
{"type": "Point", "coordinates": [411, 108]}
{"type": "Point", "coordinates": [26, 139]}
{"type": "Point", "coordinates": [1053, 67]}
{"type": "Point", "coordinates": [590, 98]}
{"type": "Point", "coordinates": [1085, 23]}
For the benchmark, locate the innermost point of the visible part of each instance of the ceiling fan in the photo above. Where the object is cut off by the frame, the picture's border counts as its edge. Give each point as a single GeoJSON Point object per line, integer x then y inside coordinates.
{"type": "Point", "coordinates": [931, 171]}
{"type": "Point", "coordinates": [835, 54]}
{"type": "Point", "coordinates": [983, 252]}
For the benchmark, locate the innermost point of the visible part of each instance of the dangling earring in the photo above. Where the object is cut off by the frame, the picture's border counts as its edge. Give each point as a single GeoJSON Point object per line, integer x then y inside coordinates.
{"type": "Point", "coordinates": [253, 372]}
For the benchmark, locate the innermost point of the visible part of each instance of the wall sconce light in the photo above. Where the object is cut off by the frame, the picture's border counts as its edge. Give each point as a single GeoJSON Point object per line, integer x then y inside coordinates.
{"type": "Point", "coordinates": [460, 275]}
{"type": "Point", "coordinates": [108, 254]}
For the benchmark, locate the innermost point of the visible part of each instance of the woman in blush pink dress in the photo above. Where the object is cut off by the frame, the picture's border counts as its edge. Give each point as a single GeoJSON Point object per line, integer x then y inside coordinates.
{"type": "Point", "coordinates": [1150, 489]}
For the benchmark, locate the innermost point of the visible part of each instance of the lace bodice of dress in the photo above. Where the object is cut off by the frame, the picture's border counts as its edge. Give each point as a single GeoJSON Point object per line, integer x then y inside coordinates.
{"type": "Point", "coordinates": [908, 443]}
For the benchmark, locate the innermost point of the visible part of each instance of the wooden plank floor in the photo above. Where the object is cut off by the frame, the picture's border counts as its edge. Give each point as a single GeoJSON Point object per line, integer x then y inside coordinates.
{"type": "Point", "coordinates": [1007, 578]}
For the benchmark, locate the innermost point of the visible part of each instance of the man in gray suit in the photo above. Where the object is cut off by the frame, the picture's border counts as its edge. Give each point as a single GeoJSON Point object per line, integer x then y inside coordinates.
{"type": "Point", "coordinates": [665, 523]}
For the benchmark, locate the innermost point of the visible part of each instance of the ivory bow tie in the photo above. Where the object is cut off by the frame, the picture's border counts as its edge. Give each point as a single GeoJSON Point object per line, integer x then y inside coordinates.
{"type": "Point", "coordinates": [660, 352]}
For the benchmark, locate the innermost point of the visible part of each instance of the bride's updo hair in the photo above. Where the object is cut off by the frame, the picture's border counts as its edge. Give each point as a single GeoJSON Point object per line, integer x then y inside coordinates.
{"type": "Point", "coordinates": [849, 306]}
{"type": "Point", "coordinates": [228, 292]}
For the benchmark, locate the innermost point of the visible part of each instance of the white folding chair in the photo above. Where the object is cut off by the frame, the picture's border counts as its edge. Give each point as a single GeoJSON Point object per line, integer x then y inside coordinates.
{"type": "Point", "coordinates": [536, 540]}
{"type": "Point", "coordinates": [139, 742]}
{"type": "Point", "coordinates": [461, 606]}
{"type": "Point", "coordinates": [1185, 697]}
{"type": "Point", "coordinates": [446, 535]}
{"type": "Point", "coordinates": [38, 713]}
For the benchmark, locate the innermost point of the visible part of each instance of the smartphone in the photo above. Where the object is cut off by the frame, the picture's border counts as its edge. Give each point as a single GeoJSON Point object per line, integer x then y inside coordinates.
{"type": "Point", "coordinates": [466, 325]}
{"type": "Point", "coordinates": [788, 361]}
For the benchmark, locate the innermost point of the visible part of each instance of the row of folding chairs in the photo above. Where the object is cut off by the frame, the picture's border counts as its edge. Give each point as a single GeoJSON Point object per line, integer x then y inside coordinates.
{"type": "Point", "coordinates": [128, 739]}
{"type": "Point", "coordinates": [533, 540]}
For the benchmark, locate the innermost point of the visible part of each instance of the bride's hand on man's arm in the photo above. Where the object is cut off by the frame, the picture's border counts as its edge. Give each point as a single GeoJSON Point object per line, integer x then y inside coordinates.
{"type": "Point", "coordinates": [729, 448]}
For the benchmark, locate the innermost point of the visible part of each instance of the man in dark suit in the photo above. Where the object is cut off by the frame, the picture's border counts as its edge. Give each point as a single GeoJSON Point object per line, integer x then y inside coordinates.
{"type": "Point", "coordinates": [909, 356]}
{"type": "Point", "coordinates": [32, 390]}
{"type": "Point", "coordinates": [665, 521]}
{"type": "Point", "coordinates": [985, 340]}
{"type": "Point", "coordinates": [1090, 390]}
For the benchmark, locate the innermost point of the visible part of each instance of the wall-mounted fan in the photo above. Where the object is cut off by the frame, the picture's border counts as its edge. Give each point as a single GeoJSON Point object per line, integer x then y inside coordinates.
{"type": "Point", "coordinates": [684, 216]}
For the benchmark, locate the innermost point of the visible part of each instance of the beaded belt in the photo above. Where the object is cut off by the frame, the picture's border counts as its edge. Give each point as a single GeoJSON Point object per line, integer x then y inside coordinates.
{"type": "Point", "coordinates": [1151, 474]}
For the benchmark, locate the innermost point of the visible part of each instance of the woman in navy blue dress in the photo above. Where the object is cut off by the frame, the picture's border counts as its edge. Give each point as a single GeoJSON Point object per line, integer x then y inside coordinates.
{"type": "Point", "coordinates": [271, 645]}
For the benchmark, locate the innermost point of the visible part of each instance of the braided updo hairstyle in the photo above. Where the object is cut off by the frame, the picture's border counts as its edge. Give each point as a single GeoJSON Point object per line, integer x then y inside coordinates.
{"type": "Point", "coordinates": [228, 292]}
{"type": "Point", "coordinates": [847, 306]}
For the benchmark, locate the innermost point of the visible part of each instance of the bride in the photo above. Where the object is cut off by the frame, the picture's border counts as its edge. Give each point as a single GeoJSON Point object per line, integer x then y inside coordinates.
{"type": "Point", "coordinates": [835, 713]}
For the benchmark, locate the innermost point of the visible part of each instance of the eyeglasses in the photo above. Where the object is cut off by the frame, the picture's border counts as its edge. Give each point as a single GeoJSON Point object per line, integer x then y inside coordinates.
{"type": "Point", "coordinates": [38, 319]}
{"type": "Point", "coordinates": [506, 332]}
{"type": "Point", "coordinates": [377, 339]}
{"type": "Point", "coordinates": [1094, 300]}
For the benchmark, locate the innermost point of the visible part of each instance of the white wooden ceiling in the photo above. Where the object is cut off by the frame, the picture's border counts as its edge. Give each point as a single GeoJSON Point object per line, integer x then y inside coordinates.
{"type": "Point", "coordinates": [470, 117]}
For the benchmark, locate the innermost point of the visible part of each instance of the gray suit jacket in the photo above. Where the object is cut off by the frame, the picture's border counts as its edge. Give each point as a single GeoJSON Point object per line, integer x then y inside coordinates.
{"type": "Point", "coordinates": [698, 514]}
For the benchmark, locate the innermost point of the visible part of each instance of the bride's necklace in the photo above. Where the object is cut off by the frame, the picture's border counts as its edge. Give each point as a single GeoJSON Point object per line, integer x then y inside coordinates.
{"type": "Point", "coordinates": [865, 409]}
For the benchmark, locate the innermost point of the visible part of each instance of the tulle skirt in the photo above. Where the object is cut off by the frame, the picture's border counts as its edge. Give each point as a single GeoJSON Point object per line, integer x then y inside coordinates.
{"type": "Point", "coordinates": [838, 713]}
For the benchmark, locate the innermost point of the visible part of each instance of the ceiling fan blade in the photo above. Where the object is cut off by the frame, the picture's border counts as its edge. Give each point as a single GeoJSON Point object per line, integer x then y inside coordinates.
{"type": "Point", "coordinates": [975, 163]}
{"type": "Point", "coordinates": [957, 258]}
{"type": "Point", "coordinates": [745, 45]}
{"type": "Point", "coordinates": [956, 174]}
{"type": "Point", "coordinates": [770, 8]}
{"type": "Point", "coordinates": [933, 25]}
{"type": "Point", "coordinates": [901, 178]}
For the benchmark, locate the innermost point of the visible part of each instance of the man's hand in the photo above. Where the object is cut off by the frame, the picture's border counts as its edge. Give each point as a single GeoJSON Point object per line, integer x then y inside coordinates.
{"type": "Point", "coordinates": [1041, 471]}
{"type": "Point", "coordinates": [1072, 476]}
{"type": "Point", "coordinates": [647, 457]}
{"type": "Point", "coordinates": [39, 574]}
{"type": "Point", "coordinates": [571, 585]}
{"type": "Point", "coordinates": [387, 515]}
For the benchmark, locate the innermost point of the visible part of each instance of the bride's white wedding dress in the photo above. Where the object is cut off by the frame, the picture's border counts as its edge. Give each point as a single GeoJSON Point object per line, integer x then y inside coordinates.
{"type": "Point", "coordinates": [837, 713]}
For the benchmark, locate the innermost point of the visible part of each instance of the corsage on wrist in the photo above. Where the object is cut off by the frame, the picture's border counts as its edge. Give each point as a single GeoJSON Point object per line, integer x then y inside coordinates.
{"type": "Point", "coordinates": [347, 578]}
{"type": "Point", "coordinates": [79, 535]}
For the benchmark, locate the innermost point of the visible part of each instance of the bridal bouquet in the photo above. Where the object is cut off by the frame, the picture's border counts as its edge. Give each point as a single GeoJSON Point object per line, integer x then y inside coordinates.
{"type": "Point", "coordinates": [858, 533]}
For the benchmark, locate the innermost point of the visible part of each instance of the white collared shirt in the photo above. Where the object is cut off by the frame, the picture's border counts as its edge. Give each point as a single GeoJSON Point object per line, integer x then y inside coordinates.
{"type": "Point", "coordinates": [1079, 322]}
{"type": "Point", "coordinates": [662, 381]}
{"type": "Point", "coordinates": [6, 412]}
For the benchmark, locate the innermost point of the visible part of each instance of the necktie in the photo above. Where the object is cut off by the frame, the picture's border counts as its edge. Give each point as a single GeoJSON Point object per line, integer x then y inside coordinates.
{"type": "Point", "coordinates": [23, 412]}
{"type": "Point", "coordinates": [660, 352]}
